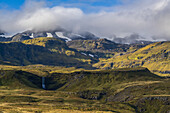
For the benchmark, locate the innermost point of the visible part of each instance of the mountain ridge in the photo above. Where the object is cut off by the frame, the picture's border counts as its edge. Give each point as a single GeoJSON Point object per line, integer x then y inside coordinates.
{"type": "Point", "coordinates": [67, 35]}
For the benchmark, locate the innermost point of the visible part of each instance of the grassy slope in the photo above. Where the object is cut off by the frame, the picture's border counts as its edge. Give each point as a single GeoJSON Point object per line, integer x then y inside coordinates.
{"type": "Point", "coordinates": [59, 46]}
{"type": "Point", "coordinates": [19, 79]}
{"type": "Point", "coordinates": [154, 56]}
{"type": "Point", "coordinates": [96, 45]}
{"type": "Point", "coordinates": [41, 70]}
{"type": "Point", "coordinates": [100, 80]}
{"type": "Point", "coordinates": [16, 53]}
{"type": "Point", "coordinates": [102, 48]}
{"type": "Point", "coordinates": [120, 90]}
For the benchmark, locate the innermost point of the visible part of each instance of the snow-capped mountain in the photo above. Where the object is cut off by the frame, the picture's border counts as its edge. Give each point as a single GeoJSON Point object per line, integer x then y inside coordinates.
{"type": "Point", "coordinates": [3, 37]}
{"type": "Point", "coordinates": [58, 33]}
{"type": "Point", "coordinates": [69, 36]}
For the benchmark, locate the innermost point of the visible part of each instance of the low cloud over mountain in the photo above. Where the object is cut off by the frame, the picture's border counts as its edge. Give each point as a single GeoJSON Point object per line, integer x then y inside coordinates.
{"type": "Point", "coordinates": [149, 18]}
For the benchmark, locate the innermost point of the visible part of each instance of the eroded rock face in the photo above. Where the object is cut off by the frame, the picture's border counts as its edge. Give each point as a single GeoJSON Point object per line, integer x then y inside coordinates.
{"type": "Point", "coordinates": [20, 37]}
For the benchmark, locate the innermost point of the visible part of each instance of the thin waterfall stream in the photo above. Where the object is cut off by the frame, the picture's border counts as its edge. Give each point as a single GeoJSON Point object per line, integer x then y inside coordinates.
{"type": "Point", "coordinates": [43, 82]}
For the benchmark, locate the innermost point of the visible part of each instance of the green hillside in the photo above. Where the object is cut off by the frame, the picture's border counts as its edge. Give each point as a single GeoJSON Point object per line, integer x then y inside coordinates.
{"type": "Point", "coordinates": [19, 79]}
{"type": "Point", "coordinates": [97, 45]}
{"type": "Point", "coordinates": [99, 80]}
{"type": "Point", "coordinates": [129, 90]}
{"type": "Point", "coordinates": [41, 51]}
{"type": "Point", "coordinates": [55, 45]}
{"type": "Point", "coordinates": [59, 46]}
{"type": "Point", "coordinates": [69, 87]}
{"type": "Point", "coordinates": [156, 57]}
{"type": "Point", "coordinates": [102, 48]}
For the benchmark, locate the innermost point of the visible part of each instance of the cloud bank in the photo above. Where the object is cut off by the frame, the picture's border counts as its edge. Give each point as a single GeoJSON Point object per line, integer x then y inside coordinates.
{"type": "Point", "coordinates": [149, 18]}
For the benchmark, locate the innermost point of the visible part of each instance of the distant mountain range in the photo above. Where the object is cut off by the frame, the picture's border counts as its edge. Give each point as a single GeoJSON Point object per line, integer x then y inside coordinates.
{"type": "Point", "coordinates": [58, 33]}
{"type": "Point", "coordinates": [133, 39]}
{"type": "Point", "coordinates": [83, 50]}
{"type": "Point", "coordinates": [69, 36]}
{"type": "Point", "coordinates": [86, 54]}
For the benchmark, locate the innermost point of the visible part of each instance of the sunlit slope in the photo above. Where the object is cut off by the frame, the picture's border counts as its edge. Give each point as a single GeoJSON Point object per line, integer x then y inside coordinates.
{"type": "Point", "coordinates": [59, 46]}
{"type": "Point", "coordinates": [126, 90]}
{"type": "Point", "coordinates": [156, 57]}
{"type": "Point", "coordinates": [17, 53]}
{"type": "Point", "coordinates": [98, 80]}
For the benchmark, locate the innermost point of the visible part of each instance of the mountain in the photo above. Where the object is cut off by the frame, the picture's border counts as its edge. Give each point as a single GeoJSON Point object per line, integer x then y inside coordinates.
{"type": "Point", "coordinates": [133, 39]}
{"type": "Point", "coordinates": [96, 45]}
{"type": "Point", "coordinates": [20, 37]}
{"type": "Point", "coordinates": [60, 47]}
{"type": "Point", "coordinates": [58, 33]}
{"type": "Point", "coordinates": [1, 33]}
{"type": "Point", "coordinates": [84, 53]}
{"type": "Point", "coordinates": [102, 48]}
{"type": "Point", "coordinates": [103, 45]}
{"type": "Point", "coordinates": [70, 35]}
{"type": "Point", "coordinates": [18, 53]}
{"type": "Point", "coordinates": [3, 38]}
{"type": "Point", "coordinates": [155, 56]}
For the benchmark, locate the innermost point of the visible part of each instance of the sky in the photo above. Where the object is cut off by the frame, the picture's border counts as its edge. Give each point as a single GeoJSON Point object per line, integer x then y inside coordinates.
{"type": "Point", "coordinates": [105, 18]}
{"type": "Point", "coordinates": [88, 6]}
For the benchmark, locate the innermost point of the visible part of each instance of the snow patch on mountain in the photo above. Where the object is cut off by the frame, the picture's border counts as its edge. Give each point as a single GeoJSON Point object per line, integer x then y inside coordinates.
{"type": "Point", "coordinates": [60, 35]}
{"type": "Point", "coordinates": [91, 55]}
{"type": "Point", "coordinates": [83, 53]}
{"type": "Point", "coordinates": [74, 34]}
{"type": "Point", "coordinates": [49, 35]}
{"type": "Point", "coordinates": [32, 35]}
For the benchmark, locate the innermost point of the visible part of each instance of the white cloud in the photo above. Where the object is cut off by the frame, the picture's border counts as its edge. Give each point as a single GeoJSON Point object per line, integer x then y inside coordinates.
{"type": "Point", "coordinates": [145, 17]}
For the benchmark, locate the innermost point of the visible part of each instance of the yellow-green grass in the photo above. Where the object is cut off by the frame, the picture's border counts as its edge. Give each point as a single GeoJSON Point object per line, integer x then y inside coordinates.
{"type": "Point", "coordinates": [117, 83]}
{"type": "Point", "coordinates": [17, 101]}
{"type": "Point", "coordinates": [41, 70]}
{"type": "Point", "coordinates": [154, 56]}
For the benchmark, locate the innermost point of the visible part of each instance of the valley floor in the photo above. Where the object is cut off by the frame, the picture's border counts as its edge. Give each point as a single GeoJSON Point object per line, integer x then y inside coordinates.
{"type": "Point", "coordinates": [45, 101]}
{"type": "Point", "coordinates": [128, 90]}
{"type": "Point", "coordinates": [29, 101]}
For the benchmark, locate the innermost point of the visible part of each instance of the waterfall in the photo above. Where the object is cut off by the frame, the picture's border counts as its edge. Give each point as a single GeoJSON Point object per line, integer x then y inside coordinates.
{"type": "Point", "coordinates": [43, 82]}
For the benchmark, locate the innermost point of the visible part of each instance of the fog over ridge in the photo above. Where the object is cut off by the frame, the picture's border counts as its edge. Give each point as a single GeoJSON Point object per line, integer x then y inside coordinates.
{"type": "Point", "coordinates": [149, 18]}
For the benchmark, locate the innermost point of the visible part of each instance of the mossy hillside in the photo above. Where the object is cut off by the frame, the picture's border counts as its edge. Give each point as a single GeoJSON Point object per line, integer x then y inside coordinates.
{"type": "Point", "coordinates": [59, 46]}
{"type": "Point", "coordinates": [154, 56]}
{"type": "Point", "coordinates": [19, 79]}
{"type": "Point", "coordinates": [102, 48]}
{"type": "Point", "coordinates": [17, 53]}
{"type": "Point", "coordinates": [96, 45]}
{"type": "Point", "coordinates": [41, 70]}
{"type": "Point", "coordinates": [14, 99]}
{"type": "Point", "coordinates": [98, 80]}
{"type": "Point", "coordinates": [47, 42]}
{"type": "Point", "coordinates": [153, 104]}
{"type": "Point", "coordinates": [119, 90]}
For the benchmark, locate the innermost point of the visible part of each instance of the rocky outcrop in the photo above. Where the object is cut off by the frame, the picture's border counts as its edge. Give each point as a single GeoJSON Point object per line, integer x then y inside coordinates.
{"type": "Point", "coordinates": [20, 37]}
